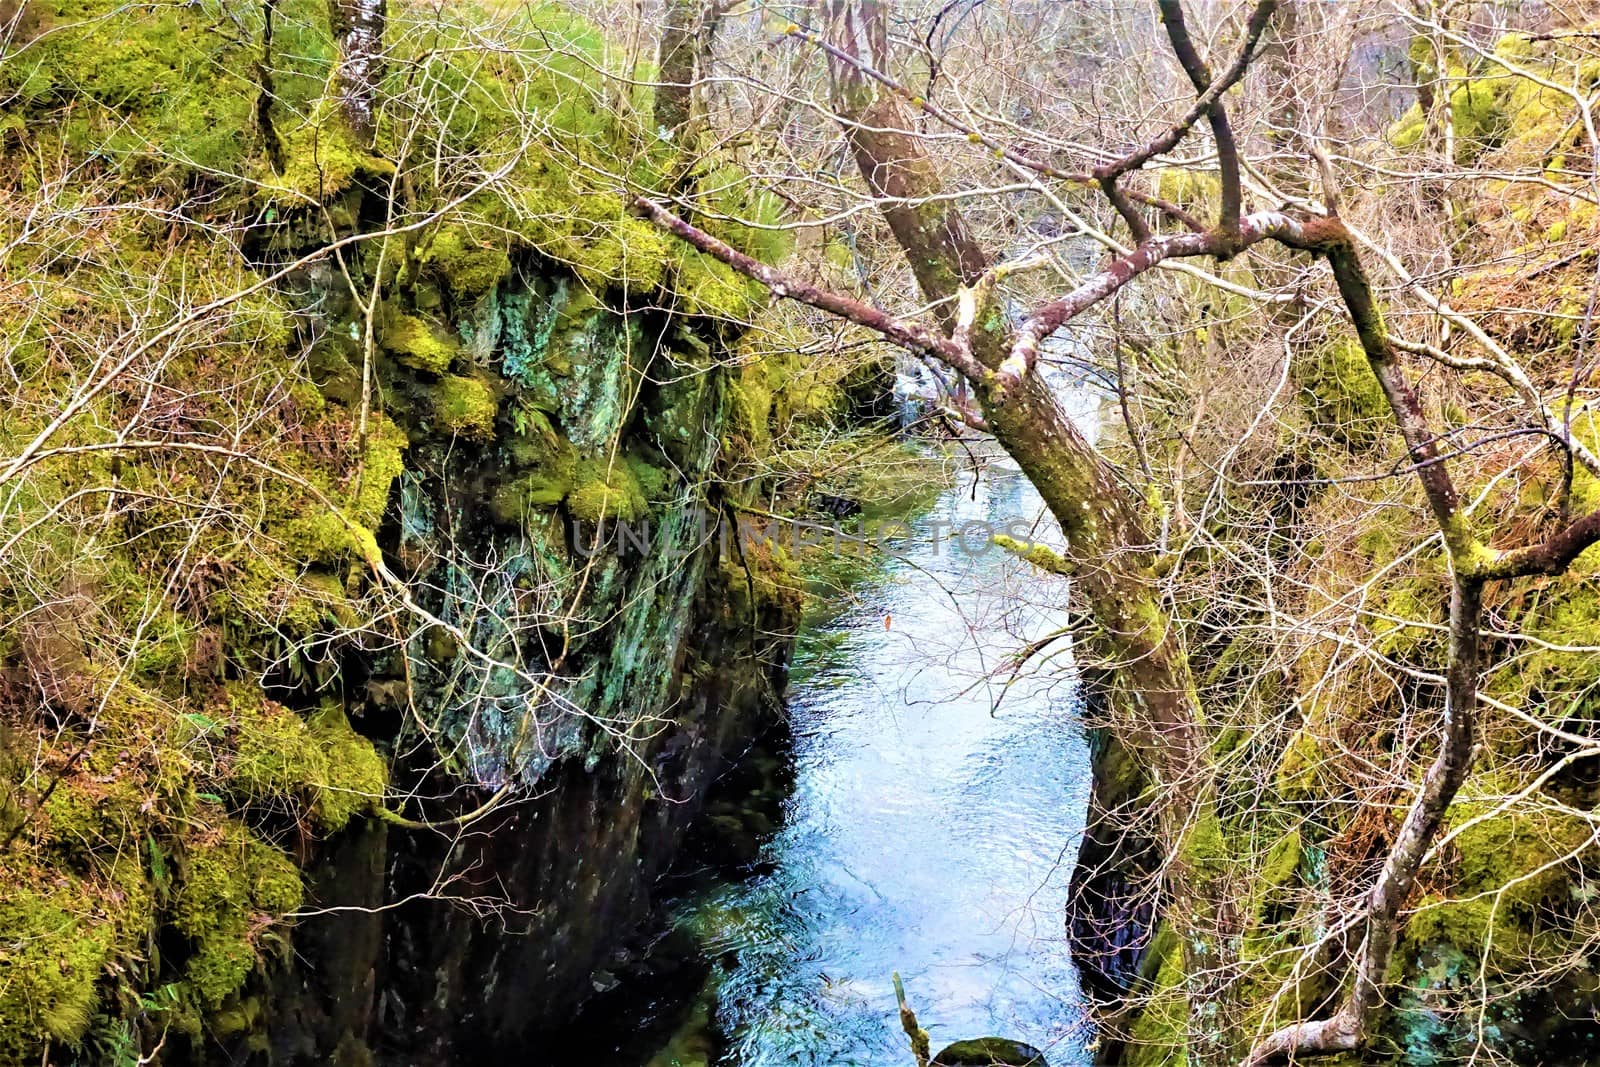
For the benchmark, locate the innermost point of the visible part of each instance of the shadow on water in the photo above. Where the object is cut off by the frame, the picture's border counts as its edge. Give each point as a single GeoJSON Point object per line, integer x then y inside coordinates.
{"type": "Point", "coordinates": [921, 816]}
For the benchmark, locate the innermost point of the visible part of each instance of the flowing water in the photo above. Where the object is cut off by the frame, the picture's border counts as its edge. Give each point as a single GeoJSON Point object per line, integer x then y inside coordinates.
{"type": "Point", "coordinates": [935, 813]}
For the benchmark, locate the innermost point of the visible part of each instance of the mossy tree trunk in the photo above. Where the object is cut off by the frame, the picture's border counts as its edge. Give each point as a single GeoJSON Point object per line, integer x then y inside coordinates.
{"type": "Point", "coordinates": [1110, 551]}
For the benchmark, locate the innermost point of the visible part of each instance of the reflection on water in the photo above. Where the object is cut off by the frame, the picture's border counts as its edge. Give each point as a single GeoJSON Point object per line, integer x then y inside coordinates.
{"type": "Point", "coordinates": [925, 834]}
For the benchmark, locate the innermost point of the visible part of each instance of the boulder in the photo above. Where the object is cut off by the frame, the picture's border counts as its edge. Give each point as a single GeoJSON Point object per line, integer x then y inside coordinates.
{"type": "Point", "coordinates": [989, 1052]}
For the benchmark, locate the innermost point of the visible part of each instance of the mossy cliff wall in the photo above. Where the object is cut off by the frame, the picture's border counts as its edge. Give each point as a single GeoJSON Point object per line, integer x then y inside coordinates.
{"type": "Point", "coordinates": [669, 659]}
{"type": "Point", "coordinates": [325, 732]}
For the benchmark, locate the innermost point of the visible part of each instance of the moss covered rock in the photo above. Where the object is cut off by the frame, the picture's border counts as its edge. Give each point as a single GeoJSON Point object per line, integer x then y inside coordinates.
{"type": "Point", "coordinates": [227, 595]}
{"type": "Point", "coordinates": [468, 266]}
{"type": "Point", "coordinates": [56, 939]}
{"type": "Point", "coordinates": [232, 885]}
{"type": "Point", "coordinates": [465, 406]}
{"type": "Point", "coordinates": [1342, 396]}
{"type": "Point", "coordinates": [989, 1052]}
{"type": "Point", "coordinates": [418, 344]}
{"type": "Point", "coordinates": [606, 489]}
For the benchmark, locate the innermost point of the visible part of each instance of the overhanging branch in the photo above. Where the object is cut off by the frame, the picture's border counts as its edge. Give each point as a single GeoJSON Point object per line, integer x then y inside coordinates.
{"type": "Point", "coordinates": [909, 335]}
{"type": "Point", "coordinates": [1051, 316]}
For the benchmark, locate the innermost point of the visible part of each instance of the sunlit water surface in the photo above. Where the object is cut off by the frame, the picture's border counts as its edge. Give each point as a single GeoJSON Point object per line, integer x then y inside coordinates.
{"type": "Point", "coordinates": [931, 830]}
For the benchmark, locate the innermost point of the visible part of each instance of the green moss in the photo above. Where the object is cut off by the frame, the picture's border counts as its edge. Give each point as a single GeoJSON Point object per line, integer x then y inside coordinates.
{"type": "Point", "coordinates": [591, 232]}
{"type": "Point", "coordinates": [731, 192]}
{"type": "Point", "coordinates": [1478, 111]}
{"type": "Point", "coordinates": [321, 537]}
{"type": "Point", "coordinates": [1513, 870]}
{"type": "Point", "coordinates": [467, 267]}
{"type": "Point", "coordinates": [1277, 870]}
{"type": "Point", "coordinates": [230, 881]}
{"type": "Point", "coordinates": [322, 160]}
{"type": "Point", "coordinates": [1159, 1036]}
{"type": "Point", "coordinates": [56, 943]}
{"type": "Point", "coordinates": [1342, 395]}
{"type": "Point", "coordinates": [809, 391]}
{"type": "Point", "coordinates": [1040, 555]}
{"type": "Point", "coordinates": [549, 463]}
{"type": "Point", "coordinates": [1563, 614]}
{"type": "Point", "coordinates": [465, 406]}
{"type": "Point", "coordinates": [1514, 117]}
{"type": "Point", "coordinates": [1297, 772]}
{"type": "Point", "coordinates": [620, 489]}
{"type": "Point", "coordinates": [272, 754]}
{"type": "Point", "coordinates": [708, 288]}
{"type": "Point", "coordinates": [1408, 131]}
{"type": "Point", "coordinates": [1191, 190]}
{"type": "Point", "coordinates": [356, 774]}
{"type": "Point", "coordinates": [294, 604]}
{"type": "Point", "coordinates": [278, 757]}
{"type": "Point", "coordinates": [381, 467]}
{"type": "Point", "coordinates": [163, 83]}
{"type": "Point", "coordinates": [83, 817]}
{"type": "Point", "coordinates": [749, 410]}
{"type": "Point", "coordinates": [513, 501]}
{"type": "Point", "coordinates": [606, 489]}
{"type": "Point", "coordinates": [1475, 927]}
{"type": "Point", "coordinates": [654, 482]}
{"type": "Point", "coordinates": [761, 581]}
{"type": "Point", "coordinates": [73, 920]}
{"type": "Point", "coordinates": [1205, 844]}
{"type": "Point", "coordinates": [416, 343]}
{"type": "Point", "coordinates": [1283, 859]}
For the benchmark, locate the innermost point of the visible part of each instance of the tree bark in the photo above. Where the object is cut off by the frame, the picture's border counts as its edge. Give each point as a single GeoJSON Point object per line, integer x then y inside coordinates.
{"type": "Point", "coordinates": [359, 26]}
{"type": "Point", "coordinates": [938, 246]}
{"type": "Point", "coordinates": [688, 29]}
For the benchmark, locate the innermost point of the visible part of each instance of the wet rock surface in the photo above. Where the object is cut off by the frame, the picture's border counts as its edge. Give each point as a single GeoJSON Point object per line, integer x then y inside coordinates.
{"type": "Point", "coordinates": [989, 1052]}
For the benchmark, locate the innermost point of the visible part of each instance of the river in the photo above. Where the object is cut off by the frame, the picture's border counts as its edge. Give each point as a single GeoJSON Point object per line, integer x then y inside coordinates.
{"type": "Point", "coordinates": [931, 826]}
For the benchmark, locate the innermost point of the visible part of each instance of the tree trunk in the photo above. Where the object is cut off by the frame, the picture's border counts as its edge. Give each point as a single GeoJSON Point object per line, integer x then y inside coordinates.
{"type": "Point", "coordinates": [688, 28]}
{"type": "Point", "coordinates": [359, 25]}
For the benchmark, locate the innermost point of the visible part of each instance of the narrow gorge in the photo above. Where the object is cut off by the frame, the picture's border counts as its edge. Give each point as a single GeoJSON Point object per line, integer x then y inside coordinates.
{"type": "Point", "coordinates": [836, 534]}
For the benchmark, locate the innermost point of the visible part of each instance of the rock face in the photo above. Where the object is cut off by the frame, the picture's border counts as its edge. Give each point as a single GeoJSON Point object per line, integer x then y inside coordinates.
{"type": "Point", "coordinates": [564, 883]}
{"type": "Point", "coordinates": [376, 745]}
{"type": "Point", "coordinates": [990, 1052]}
{"type": "Point", "coordinates": [667, 650]}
